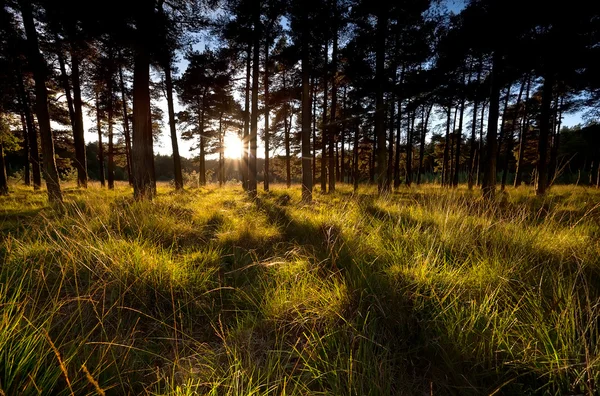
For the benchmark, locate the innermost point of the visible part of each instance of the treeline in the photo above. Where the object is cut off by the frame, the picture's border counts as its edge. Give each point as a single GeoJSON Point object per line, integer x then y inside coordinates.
{"type": "Point", "coordinates": [341, 90]}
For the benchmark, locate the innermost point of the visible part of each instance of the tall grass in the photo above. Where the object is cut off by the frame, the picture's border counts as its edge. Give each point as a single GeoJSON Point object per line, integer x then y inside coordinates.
{"type": "Point", "coordinates": [425, 290]}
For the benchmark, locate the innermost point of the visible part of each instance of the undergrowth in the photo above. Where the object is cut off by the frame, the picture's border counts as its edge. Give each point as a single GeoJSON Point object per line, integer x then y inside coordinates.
{"type": "Point", "coordinates": [422, 291]}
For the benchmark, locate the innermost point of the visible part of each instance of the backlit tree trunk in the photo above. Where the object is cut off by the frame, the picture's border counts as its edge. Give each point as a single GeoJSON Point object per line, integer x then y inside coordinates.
{"type": "Point", "coordinates": [252, 184]}
{"type": "Point", "coordinates": [78, 133]}
{"type": "Point", "coordinates": [267, 115]}
{"type": "Point", "coordinates": [489, 177]}
{"type": "Point", "coordinates": [37, 63]}
{"type": "Point", "coordinates": [126, 128]}
{"type": "Point", "coordinates": [307, 182]}
{"type": "Point", "coordinates": [172, 127]}
{"type": "Point", "coordinates": [542, 165]}
{"type": "Point", "coordinates": [382, 22]}
{"type": "Point", "coordinates": [100, 146]}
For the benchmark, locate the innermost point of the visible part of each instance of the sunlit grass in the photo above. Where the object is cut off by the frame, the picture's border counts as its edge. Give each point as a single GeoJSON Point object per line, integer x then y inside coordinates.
{"type": "Point", "coordinates": [209, 292]}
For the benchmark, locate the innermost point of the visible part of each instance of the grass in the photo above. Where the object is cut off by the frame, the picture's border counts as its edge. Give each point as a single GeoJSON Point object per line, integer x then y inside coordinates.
{"type": "Point", "coordinates": [208, 292]}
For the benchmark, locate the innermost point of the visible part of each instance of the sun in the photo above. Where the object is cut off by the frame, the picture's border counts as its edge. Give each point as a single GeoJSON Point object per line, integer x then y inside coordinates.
{"type": "Point", "coordinates": [233, 145]}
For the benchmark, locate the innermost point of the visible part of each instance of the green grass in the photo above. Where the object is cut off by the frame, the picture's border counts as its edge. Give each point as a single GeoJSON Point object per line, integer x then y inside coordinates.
{"type": "Point", "coordinates": [208, 292]}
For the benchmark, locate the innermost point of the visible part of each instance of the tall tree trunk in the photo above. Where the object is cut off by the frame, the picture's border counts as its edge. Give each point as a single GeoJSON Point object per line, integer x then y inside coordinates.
{"type": "Point", "coordinates": [451, 158]}
{"type": "Point", "coordinates": [142, 151]}
{"type": "Point", "coordinates": [424, 122]}
{"type": "Point", "coordinates": [458, 134]}
{"type": "Point", "coordinates": [510, 139]}
{"type": "Point", "coordinates": [32, 134]}
{"type": "Point", "coordinates": [555, 142]}
{"type": "Point", "coordinates": [355, 175]}
{"type": "Point", "coordinates": [314, 128]}
{"type": "Point", "coordinates": [489, 177]}
{"type": "Point", "coordinates": [126, 128]}
{"type": "Point", "coordinates": [333, 127]}
{"type": "Point", "coordinates": [286, 131]}
{"type": "Point", "coordinates": [307, 182]}
{"type": "Point", "coordinates": [398, 149]}
{"type": "Point", "coordinates": [267, 114]}
{"type": "Point", "coordinates": [111, 147]}
{"type": "Point", "coordinates": [325, 129]}
{"type": "Point", "coordinates": [381, 33]}
{"type": "Point", "coordinates": [502, 127]}
{"type": "Point", "coordinates": [172, 127]}
{"type": "Point", "coordinates": [64, 80]}
{"type": "Point", "coordinates": [78, 133]}
{"type": "Point", "coordinates": [37, 63]}
{"type": "Point", "coordinates": [480, 146]}
{"type": "Point", "coordinates": [100, 146]}
{"type": "Point", "coordinates": [26, 149]}
{"type": "Point", "coordinates": [545, 113]}
{"type": "Point", "coordinates": [221, 149]}
{"type": "Point", "coordinates": [409, 149]}
{"type": "Point", "coordinates": [252, 184]}
{"type": "Point", "coordinates": [447, 144]}
{"type": "Point", "coordinates": [471, 170]}
{"type": "Point", "coordinates": [246, 137]}
{"type": "Point", "coordinates": [3, 178]}
{"type": "Point", "coordinates": [343, 141]}
{"type": "Point", "coordinates": [201, 157]}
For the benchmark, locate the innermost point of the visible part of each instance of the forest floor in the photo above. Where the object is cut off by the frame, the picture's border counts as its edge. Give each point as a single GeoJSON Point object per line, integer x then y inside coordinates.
{"type": "Point", "coordinates": [424, 291]}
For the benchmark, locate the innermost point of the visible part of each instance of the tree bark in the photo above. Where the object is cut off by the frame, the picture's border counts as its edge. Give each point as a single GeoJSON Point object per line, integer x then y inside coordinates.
{"type": "Point", "coordinates": [3, 178]}
{"type": "Point", "coordinates": [100, 146]}
{"type": "Point", "coordinates": [246, 137]}
{"type": "Point", "coordinates": [172, 127]}
{"type": "Point", "coordinates": [143, 161]}
{"type": "Point", "coordinates": [37, 63]}
{"type": "Point", "coordinates": [126, 128]}
{"type": "Point", "coordinates": [502, 126]}
{"type": "Point", "coordinates": [267, 114]}
{"type": "Point", "coordinates": [252, 181]}
{"type": "Point", "coordinates": [27, 169]}
{"type": "Point", "coordinates": [458, 134]}
{"type": "Point", "coordinates": [424, 122]}
{"type": "Point", "coordinates": [78, 132]}
{"type": "Point", "coordinates": [409, 149]}
{"type": "Point", "coordinates": [286, 131]}
{"type": "Point", "coordinates": [325, 130]}
{"type": "Point", "coordinates": [542, 166]}
{"type": "Point", "coordinates": [343, 142]}
{"type": "Point", "coordinates": [480, 146]}
{"type": "Point", "coordinates": [381, 32]}
{"type": "Point", "coordinates": [307, 182]}
{"type": "Point", "coordinates": [555, 142]}
{"type": "Point", "coordinates": [333, 127]}
{"type": "Point", "coordinates": [111, 147]}
{"type": "Point", "coordinates": [489, 177]}
{"type": "Point", "coordinates": [398, 135]}
{"type": "Point", "coordinates": [445, 172]}
{"type": "Point", "coordinates": [471, 170]}
{"type": "Point", "coordinates": [314, 128]}
{"type": "Point", "coordinates": [355, 175]}
{"type": "Point", "coordinates": [510, 139]}
{"type": "Point", "coordinates": [32, 134]}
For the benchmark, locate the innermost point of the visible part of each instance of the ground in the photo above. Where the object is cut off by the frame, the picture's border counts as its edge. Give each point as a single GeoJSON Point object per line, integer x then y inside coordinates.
{"type": "Point", "coordinates": [423, 291]}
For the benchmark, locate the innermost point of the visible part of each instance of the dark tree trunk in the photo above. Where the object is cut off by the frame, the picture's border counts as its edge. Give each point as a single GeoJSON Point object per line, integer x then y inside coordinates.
{"type": "Point", "coordinates": [126, 128]}
{"type": "Point", "coordinates": [510, 139]}
{"type": "Point", "coordinates": [381, 32]}
{"type": "Point", "coordinates": [307, 182]}
{"type": "Point", "coordinates": [246, 137]}
{"type": "Point", "coordinates": [172, 127]}
{"type": "Point", "coordinates": [3, 178]}
{"type": "Point", "coordinates": [424, 122]}
{"type": "Point", "coordinates": [409, 149]}
{"type": "Point", "coordinates": [355, 175]}
{"type": "Point", "coordinates": [325, 129]}
{"type": "Point", "coordinates": [252, 184]}
{"type": "Point", "coordinates": [333, 128]}
{"type": "Point", "coordinates": [37, 63]}
{"type": "Point", "coordinates": [78, 133]}
{"type": "Point", "coordinates": [32, 135]}
{"type": "Point", "coordinates": [480, 146]}
{"type": "Point", "coordinates": [27, 169]}
{"type": "Point", "coordinates": [501, 138]}
{"type": "Point", "coordinates": [446, 159]}
{"type": "Point", "coordinates": [314, 128]}
{"type": "Point", "coordinates": [451, 158]}
{"type": "Point", "coordinates": [555, 142]}
{"type": "Point", "coordinates": [542, 165]}
{"type": "Point", "coordinates": [201, 157]}
{"type": "Point", "coordinates": [100, 146]}
{"type": "Point", "coordinates": [221, 153]}
{"type": "Point", "coordinates": [471, 164]}
{"type": "Point", "coordinates": [142, 151]}
{"type": "Point", "coordinates": [489, 177]}
{"type": "Point", "coordinates": [286, 131]}
{"type": "Point", "coordinates": [64, 80]}
{"type": "Point", "coordinates": [111, 154]}
{"type": "Point", "coordinates": [343, 142]}
{"type": "Point", "coordinates": [267, 138]}
{"type": "Point", "coordinates": [458, 135]}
